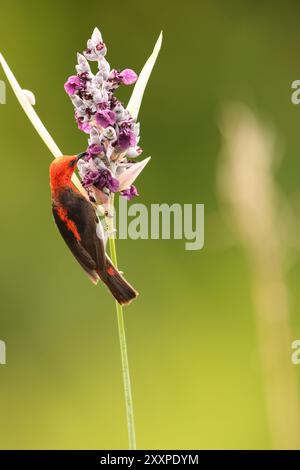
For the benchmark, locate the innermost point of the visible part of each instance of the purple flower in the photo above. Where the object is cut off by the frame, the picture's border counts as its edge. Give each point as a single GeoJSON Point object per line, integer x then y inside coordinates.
{"type": "Point", "coordinates": [130, 192]}
{"type": "Point", "coordinates": [128, 77]}
{"type": "Point", "coordinates": [84, 78]}
{"type": "Point", "coordinates": [114, 78]}
{"type": "Point", "coordinates": [83, 125]}
{"type": "Point", "coordinates": [101, 179]}
{"type": "Point", "coordinates": [106, 180]}
{"type": "Point", "coordinates": [126, 139]}
{"type": "Point", "coordinates": [95, 149]}
{"type": "Point", "coordinates": [72, 85]}
{"type": "Point", "coordinates": [90, 178]}
{"type": "Point", "coordinates": [105, 118]}
{"type": "Point", "coordinates": [100, 47]}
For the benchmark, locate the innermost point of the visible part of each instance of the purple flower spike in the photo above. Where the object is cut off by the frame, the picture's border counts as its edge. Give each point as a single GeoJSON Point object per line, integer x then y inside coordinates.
{"type": "Point", "coordinates": [130, 192]}
{"type": "Point", "coordinates": [128, 77]}
{"type": "Point", "coordinates": [105, 118]}
{"type": "Point", "coordinates": [113, 130]}
{"type": "Point", "coordinates": [126, 139]}
{"type": "Point", "coordinates": [72, 85]}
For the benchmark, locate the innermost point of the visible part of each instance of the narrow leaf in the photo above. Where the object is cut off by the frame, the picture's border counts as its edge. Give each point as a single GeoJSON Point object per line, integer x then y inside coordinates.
{"type": "Point", "coordinates": [137, 95]}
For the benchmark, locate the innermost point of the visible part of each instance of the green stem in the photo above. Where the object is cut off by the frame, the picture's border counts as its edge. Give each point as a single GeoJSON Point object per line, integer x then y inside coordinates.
{"type": "Point", "coordinates": [124, 355]}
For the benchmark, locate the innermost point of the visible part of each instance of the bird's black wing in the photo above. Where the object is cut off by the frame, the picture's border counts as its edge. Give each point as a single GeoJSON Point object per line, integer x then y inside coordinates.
{"type": "Point", "coordinates": [77, 222]}
{"type": "Point", "coordinates": [79, 231]}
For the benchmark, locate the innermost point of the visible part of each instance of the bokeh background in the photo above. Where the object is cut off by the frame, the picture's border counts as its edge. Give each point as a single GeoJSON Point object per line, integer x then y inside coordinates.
{"type": "Point", "coordinates": [192, 334]}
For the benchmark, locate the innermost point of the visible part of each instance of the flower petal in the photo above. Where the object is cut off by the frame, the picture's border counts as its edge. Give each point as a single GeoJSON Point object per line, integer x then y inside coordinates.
{"type": "Point", "coordinates": [100, 196]}
{"type": "Point", "coordinates": [128, 176]}
{"type": "Point", "coordinates": [83, 65]}
{"type": "Point", "coordinates": [137, 95]}
{"type": "Point", "coordinates": [128, 77]}
{"type": "Point", "coordinates": [96, 36]}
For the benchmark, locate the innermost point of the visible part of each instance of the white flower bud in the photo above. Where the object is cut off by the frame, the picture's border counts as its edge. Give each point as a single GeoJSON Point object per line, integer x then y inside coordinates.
{"type": "Point", "coordinates": [94, 137]}
{"type": "Point", "coordinates": [104, 67]}
{"type": "Point", "coordinates": [96, 36]}
{"type": "Point", "coordinates": [120, 112]}
{"type": "Point", "coordinates": [110, 133]}
{"type": "Point", "coordinates": [30, 97]}
{"type": "Point", "coordinates": [77, 102]}
{"type": "Point", "coordinates": [83, 65]}
{"type": "Point", "coordinates": [133, 152]}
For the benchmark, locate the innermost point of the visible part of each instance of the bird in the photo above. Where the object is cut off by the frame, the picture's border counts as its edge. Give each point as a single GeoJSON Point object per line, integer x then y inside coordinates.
{"type": "Point", "coordinates": [77, 222]}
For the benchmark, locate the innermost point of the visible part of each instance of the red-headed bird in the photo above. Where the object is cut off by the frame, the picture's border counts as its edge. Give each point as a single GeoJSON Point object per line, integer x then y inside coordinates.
{"type": "Point", "coordinates": [77, 222]}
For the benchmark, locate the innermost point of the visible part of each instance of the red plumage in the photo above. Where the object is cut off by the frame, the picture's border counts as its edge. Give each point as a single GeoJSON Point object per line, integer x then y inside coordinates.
{"type": "Point", "coordinates": [77, 222]}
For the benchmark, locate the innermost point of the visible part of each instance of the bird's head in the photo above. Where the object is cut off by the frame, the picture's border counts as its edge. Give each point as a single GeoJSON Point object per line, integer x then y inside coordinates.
{"type": "Point", "coordinates": [62, 169]}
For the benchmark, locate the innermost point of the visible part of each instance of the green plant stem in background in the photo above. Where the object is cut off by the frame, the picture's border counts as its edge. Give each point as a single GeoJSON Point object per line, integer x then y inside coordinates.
{"type": "Point", "coordinates": [124, 355]}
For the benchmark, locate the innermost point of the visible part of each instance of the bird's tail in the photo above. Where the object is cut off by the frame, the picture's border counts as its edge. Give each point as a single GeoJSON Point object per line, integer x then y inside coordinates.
{"type": "Point", "coordinates": [122, 291]}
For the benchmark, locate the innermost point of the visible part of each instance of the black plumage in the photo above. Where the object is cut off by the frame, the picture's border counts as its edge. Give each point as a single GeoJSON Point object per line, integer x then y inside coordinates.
{"type": "Point", "coordinates": [77, 222]}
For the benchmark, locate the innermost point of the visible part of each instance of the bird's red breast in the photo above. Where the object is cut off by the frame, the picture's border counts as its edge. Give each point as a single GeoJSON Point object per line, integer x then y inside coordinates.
{"type": "Point", "coordinates": [61, 171]}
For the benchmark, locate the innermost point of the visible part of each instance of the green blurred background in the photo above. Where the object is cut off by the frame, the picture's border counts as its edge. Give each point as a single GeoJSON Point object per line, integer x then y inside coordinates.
{"type": "Point", "coordinates": [192, 341]}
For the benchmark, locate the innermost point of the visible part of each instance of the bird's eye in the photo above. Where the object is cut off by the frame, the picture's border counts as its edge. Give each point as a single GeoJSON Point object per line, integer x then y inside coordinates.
{"type": "Point", "coordinates": [72, 163]}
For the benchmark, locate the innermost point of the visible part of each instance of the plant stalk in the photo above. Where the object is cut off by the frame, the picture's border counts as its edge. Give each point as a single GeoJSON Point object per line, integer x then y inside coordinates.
{"type": "Point", "coordinates": [123, 348]}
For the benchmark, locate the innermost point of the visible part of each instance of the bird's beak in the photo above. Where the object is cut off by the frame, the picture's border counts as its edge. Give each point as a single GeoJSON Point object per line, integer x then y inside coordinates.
{"type": "Point", "coordinates": [81, 155]}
